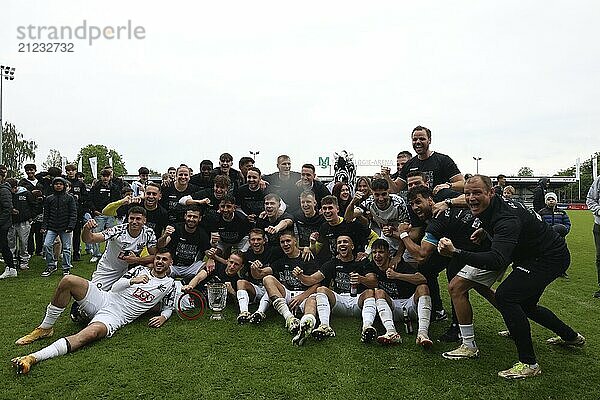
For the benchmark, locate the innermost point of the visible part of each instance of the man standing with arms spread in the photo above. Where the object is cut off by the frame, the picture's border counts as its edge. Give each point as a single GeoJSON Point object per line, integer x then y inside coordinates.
{"type": "Point", "coordinates": [441, 170]}
{"type": "Point", "coordinates": [593, 204]}
{"type": "Point", "coordinates": [539, 256]}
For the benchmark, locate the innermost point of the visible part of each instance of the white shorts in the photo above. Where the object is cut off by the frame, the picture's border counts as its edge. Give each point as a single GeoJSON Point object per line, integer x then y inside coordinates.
{"type": "Point", "coordinates": [260, 292]}
{"type": "Point", "coordinates": [346, 305]}
{"type": "Point", "coordinates": [186, 272]}
{"type": "Point", "coordinates": [481, 276]}
{"type": "Point", "coordinates": [290, 294]}
{"type": "Point", "coordinates": [399, 304]}
{"type": "Point", "coordinates": [96, 304]}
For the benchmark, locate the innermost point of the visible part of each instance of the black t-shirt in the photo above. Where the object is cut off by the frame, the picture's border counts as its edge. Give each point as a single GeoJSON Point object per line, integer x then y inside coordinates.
{"type": "Point", "coordinates": [519, 235]}
{"type": "Point", "coordinates": [337, 274]}
{"type": "Point", "coordinates": [232, 232]}
{"type": "Point", "coordinates": [263, 223]}
{"type": "Point", "coordinates": [201, 182]}
{"type": "Point", "coordinates": [218, 275]}
{"type": "Point", "coordinates": [328, 235]}
{"type": "Point", "coordinates": [185, 246]}
{"type": "Point", "coordinates": [266, 258]}
{"type": "Point", "coordinates": [170, 201]}
{"type": "Point", "coordinates": [304, 226]}
{"type": "Point", "coordinates": [283, 267]}
{"type": "Point", "coordinates": [286, 189]}
{"type": "Point", "coordinates": [438, 167]}
{"type": "Point", "coordinates": [157, 220]}
{"type": "Point", "coordinates": [250, 201]}
{"type": "Point", "coordinates": [395, 288]}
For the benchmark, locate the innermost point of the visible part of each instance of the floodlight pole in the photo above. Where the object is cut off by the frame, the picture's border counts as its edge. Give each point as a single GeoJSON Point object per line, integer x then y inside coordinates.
{"type": "Point", "coordinates": [9, 76]}
{"type": "Point", "coordinates": [254, 154]}
{"type": "Point", "coordinates": [477, 159]}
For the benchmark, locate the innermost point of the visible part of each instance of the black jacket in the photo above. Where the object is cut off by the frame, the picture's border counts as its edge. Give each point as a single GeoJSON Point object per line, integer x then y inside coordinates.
{"type": "Point", "coordinates": [80, 193]}
{"type": "Point", "coordinates": [39, 200]}
{"type": "Point", "coordinates": [60, 212]}
{"type": "Point", "coordinates": [25, 202]}
{"type": "Point", "coordinates": [101, 195]}
{"type": "Point", "coordinates": [5, 205]}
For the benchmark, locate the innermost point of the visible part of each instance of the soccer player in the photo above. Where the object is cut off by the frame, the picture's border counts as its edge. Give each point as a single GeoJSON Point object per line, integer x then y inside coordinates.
{"type": "Point", "coordinates": [308, 220]}
{"type": "Point", "coordinates": [285, 290]}
{"type": "Point", "coordinates": [384, 210]}
{"type": "Point", "coordinates": [441, 169]}
{"type": "Point", "coordinates": [232, 226]}
{"type": "Point", "coordinates": [187, 241]}
{"type": "Point", "coordinates": [171, 195]}
{"type": "Point", "coordinates": [351, 291]}
{"type": "Point", "coordinates": [539, 256]}
{"type": "Point", "coordinates": [308, 182]}
{"type": "Point", "coordinates": [250, 197]}
{"type": "Point", "coordinates": [124, 245]}
{"type": "Point", "coordinates": [226, 273]}
{"type": "Point", "coordinates": [284, 182]}
{"type": "Point", "coordinates": [274, 221]}
{"type": "Point", "coordinates": [401, 291]}
{"type": "Point", "coordinates": [250, 288]}
{"type": "Point", "coordinates": [131, 296]}
{"type": "Point", "coordinates": [323, 242]}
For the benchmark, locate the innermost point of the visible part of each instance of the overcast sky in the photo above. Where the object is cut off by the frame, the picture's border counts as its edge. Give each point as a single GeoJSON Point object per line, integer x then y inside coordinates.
{"type": "Point", "coordinates": [513, 82]}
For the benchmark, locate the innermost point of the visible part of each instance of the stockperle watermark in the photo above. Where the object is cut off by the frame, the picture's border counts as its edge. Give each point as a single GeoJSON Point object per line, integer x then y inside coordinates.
{"type": "Point", "coordinates": [63, 38]}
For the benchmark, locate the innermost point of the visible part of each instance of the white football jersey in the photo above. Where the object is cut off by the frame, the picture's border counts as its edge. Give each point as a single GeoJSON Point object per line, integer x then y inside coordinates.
{"type": "Point", "coordinates": [134, 300]}
{"type": "Point", "coordinates": [120, 243]}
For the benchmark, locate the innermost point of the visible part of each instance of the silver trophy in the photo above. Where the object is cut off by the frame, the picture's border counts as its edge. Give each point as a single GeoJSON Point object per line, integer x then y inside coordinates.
{"type": "Point", "coordinates": [217, 298]}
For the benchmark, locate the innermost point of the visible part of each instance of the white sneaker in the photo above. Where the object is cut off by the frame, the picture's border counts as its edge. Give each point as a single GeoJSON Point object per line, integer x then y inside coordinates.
{"type": "Point", "coordinates": [462, 352]}
{"type": "Point", "coordinates": [9, 273]}
{"type": "Point", "coordinates": [94, 259]}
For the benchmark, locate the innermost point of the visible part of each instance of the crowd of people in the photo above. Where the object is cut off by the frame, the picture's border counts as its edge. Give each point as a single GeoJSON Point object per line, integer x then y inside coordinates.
{"type": "Point", "coordinates": [370, 248]}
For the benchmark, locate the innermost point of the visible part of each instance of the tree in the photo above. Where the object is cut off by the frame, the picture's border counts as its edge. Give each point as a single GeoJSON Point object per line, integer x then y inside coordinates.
{"type": "Point", "coordinates": [586, 177]}
{"type": "Point", "coordinates": [525, 171]}
{"type": "Point", "coordinates": [16, 150]}
{"type": "Point", "coordinates": [54, 159]}
{"type": "Point", "coordinates": [102, 153]}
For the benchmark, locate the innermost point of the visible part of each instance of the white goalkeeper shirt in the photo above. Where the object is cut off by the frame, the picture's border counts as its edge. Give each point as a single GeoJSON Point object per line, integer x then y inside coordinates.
{"type": "Point", "coordinates": [119, 243]}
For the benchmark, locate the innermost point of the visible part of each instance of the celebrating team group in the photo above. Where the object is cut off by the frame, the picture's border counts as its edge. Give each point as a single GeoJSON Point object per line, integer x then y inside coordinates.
{"type": "Point", "coordinates": [362, 247]}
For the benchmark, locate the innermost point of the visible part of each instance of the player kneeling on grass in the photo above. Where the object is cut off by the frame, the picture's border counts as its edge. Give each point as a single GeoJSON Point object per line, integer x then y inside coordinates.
{"type": "Point", "coordinates": [343, 274]}
{"type": "Point", "coordinates": [285, 290]}
{"type": "Point", "coordinates": [401, 291]}
{"type": "Point", "coordinates": [131, 296]}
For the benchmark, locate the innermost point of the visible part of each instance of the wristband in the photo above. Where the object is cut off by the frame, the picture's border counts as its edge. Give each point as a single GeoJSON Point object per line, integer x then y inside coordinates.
{"type": "Point", "coordinates": [403, 235]}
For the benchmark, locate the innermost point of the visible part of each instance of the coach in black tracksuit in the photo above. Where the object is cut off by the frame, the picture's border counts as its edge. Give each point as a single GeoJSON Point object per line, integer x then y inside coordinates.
{"type": "Point", "coordinates": [539, 256]}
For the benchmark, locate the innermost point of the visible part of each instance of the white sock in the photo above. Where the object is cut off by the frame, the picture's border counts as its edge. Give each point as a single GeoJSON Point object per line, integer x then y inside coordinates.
{"type": "Point", "coordinates": [282, 308]}
{"type": "Point", "coordinates": [308, 317]}
{"type": "Point", "coordinates": [52, 314]}
{"type": "Point", "coordinates": [58, 348]}
{"type": "Point", "coordinates": [368, 312]}
{"type": "Point", "coordinates": [468, 335]}
{"type": "Point", "coordinates": [243, 300]}
{"type": "Point", "coordinates": [323, 308]}
{"type": "Point", "coordinates": [424, 313]}
{"type": "Point", "coordinates": [386, 316]}
{"type": "Point", "coordinates": [264, 303]}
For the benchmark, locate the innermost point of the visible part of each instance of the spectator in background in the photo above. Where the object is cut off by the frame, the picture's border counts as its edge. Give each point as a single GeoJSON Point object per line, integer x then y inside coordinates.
{"type": "Point", "coordinates": [341, 191]}
{"type": "Point", "coordinates": [103, 192]}
{"type": "Point", "coordinates": [538, 194]}
{"type": "Point", "coordinates": [79, 191]}
{"type": "Point", "coordinates": [139, 186]}
{"type": "Point", "coordinates": [24, 203]}
{"type": "Point", "coordinates": [555, 217]}
{"type": "Point", "coordinates": [31, 183]}
{"type": "Point", "coordinates": [6, 207]}
{"type": "Point", "coordinates": [593, 204]}
{"type": "Point", "coordinates": [60, 216]}
{"type": "Point", "coordinates": [499, 188]}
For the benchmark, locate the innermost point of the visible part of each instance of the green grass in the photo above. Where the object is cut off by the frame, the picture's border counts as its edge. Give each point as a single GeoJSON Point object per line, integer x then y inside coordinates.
{"type": "Point", "coordinates": [219, 359]}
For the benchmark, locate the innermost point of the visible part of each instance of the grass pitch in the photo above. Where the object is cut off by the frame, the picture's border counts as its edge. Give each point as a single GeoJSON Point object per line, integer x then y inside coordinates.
{"type": "Point", "coordinates": [221, 360]}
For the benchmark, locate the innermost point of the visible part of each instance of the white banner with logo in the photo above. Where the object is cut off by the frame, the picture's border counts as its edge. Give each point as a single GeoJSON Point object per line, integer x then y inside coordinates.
{"type": "Point", "coordinates": [94, 166]}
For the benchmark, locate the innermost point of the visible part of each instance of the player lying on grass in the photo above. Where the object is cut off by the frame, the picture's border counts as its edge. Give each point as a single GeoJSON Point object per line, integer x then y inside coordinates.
{"type": "Point", "coordinates": [343, 273]}
{"type": "Point", "coordinates": [131, 296]}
